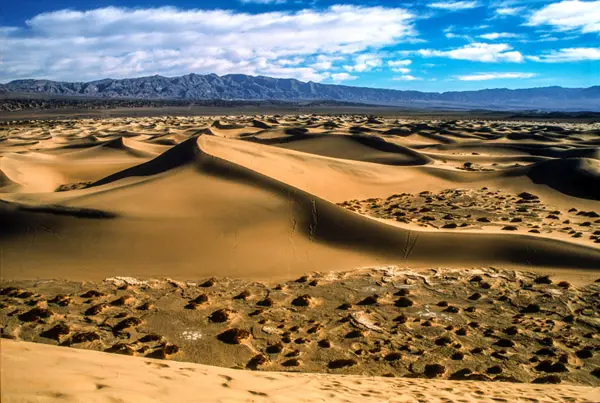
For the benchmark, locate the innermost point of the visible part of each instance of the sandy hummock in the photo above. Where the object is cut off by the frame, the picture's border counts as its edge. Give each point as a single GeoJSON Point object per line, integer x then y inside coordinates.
{"type": "Point", "coordinates": [456, 250]}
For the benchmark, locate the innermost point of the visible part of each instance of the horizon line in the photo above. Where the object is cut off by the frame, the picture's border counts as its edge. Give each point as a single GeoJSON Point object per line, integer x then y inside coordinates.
{"type": "Point", "coordinates": [295, 79]}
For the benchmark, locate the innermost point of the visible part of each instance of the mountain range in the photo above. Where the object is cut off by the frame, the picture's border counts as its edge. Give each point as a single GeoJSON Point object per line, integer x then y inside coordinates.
{"type": "Point", "coordinates": [245, 87]}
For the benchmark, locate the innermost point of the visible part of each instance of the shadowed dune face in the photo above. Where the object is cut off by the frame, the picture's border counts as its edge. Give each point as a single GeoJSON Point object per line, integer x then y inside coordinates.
{"type": "Point", "coordinates": [257, 197]}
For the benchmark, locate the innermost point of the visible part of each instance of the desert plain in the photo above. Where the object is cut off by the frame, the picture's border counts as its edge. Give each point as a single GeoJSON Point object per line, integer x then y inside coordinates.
{"type": "Point", "coordinates": [386, 258]}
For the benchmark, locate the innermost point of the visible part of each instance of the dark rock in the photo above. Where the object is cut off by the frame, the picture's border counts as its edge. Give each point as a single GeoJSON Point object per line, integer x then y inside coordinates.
{"type": "Point", "coordinates": [234, 336]}
{"type": "Point", "coordinates": [85, 337]}
{"type": "Point", "coordinates": [208, 283]}
{"type": "Point", "coordinates": [127, 323]}
{"type": "Point", "coordinates": [393, 356]}
{"type": "Point", "coordinates": [494, 370]}
{"type": "Point", "coordinates": [452, 309]}
{"type": "Point", "coordinates": [62, 300]}
{"type": "Point", "coordinates": [257, 361]}
{"type": "Point", "coordinates": [243, 295]}
{"type": "Point", "coordinates": [122, 348]}
{"type": "Point", "coordinates": [531, 308]}
{"type": "Point", "coordinates": [35, 314]}
{"type": "Point", "coordinates": [504, 343]}
{"type": "Point", "coordinates": [353, 334]}
{"type": "Point", "coordinates": [274, 348]}
{"type": "Point", "coordinates": [56, 332]}
{"type": "Point", "coordinates": [457, 356]}
{"type": "Point", "coordinates": [404, 302]}
{"type": "Point", "coordinates": [527, 196]}
{"type": "Point", "coordinates": [267, 302]}
{"type": "Point", "coordinates": [403, 292]}
{"type": "Point", "coordinates": [401, 319]}
{"type": "Point", "coordinates": [220, 316]}
{"type": "Point", "coordinates": [550, 367]}
{"type": "Point", "coordinates": [543, 280]}
{"type": "Point", "coordinates": [294, 362]}
{"type": "Point", "coordinates": [150, 338]}
{"type": "Point", "coordinates": [95, 309]}
{"type": "Point", "coordinates": [371, 300]}
{"type": "Point", "coordinates": [303, 300]}
{"type": "Point", "coordinates": [461, 332]}
{"type": "Point", "coordinates": [341, 363]}
{"type": "Point", "coordinates": [553, 379]}
{"type": "Point", "coordinates": [434, 370]}
{"type": "Point", "coordinates": [442, 341]}
{"type": "Point", "coordinates": [584, 353]}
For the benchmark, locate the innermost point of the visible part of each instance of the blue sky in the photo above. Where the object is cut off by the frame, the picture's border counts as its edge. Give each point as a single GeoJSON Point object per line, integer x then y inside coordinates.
{"type": "Point", "coordinates": [416, 45]}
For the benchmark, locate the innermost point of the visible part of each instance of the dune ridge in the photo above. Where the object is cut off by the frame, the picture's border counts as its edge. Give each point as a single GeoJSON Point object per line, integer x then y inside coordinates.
{"type": "Point", "coordinates": [300, 214]}
{"type": "Point", "coordinates": [465, 253]}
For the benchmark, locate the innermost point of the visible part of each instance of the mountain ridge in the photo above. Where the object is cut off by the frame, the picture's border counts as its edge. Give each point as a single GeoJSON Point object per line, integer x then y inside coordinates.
{"type": "Point", "coordinates": [244, 87]}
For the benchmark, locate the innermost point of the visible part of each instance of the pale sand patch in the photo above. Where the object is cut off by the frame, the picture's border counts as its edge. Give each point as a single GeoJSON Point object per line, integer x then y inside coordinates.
{"type": "Point", "coordinates": [39, 373]}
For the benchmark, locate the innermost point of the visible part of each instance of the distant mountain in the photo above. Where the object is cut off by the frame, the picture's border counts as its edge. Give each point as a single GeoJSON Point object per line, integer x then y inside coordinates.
{"type": "Point", "coordinates": [243, 87]}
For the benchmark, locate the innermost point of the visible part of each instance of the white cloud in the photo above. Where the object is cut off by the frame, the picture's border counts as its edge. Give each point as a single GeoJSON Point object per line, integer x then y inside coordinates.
{"type": "Point", "coordinates": [478, 52]}
{"type": "Point", "coordinates": [454, 5]}
{"type": "Point", "coordinates": [494, 76]}
{"type": "Point", "coordinates": [8, 30]}
{"type": "Point", "coordinates": [290, 62]}
{"type": "Point", "coordinates": [569, 15]}
{"type": "Point", "coordinates": [568, 55]}
{"type": "Point", "coordinates": [119, 42]}
{"type": "Point", "coordinates": [399, 66]}
{"type": "Point", "coordinates": [497, 35]}
{"type": "Point", "coordinates": [452, 35]}
{"type": "Point", "coordinates": [364, 62]}
{"type": "Point", "coordinates": [324, 65]}
{"type": "Point", "coordinates": [398, 63]}
{"type": "Point", "coordinates": [406, 77]}
{"type": "Point", "coordinates": [505, 11]}
{"type": "Point", "coordinates": [343, 77]}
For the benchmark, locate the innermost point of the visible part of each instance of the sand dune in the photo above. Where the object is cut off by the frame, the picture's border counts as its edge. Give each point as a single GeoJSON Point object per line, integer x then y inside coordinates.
{"type": "Point", "coordinates": [63, 374]}
{"type": "Point", "coordinates": [429, 246]}
{"type": "Point", "coordinates": [229, 197]}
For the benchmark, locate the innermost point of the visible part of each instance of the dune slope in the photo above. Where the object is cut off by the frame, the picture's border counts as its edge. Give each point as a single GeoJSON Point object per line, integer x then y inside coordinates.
{"type": "Point", "coordinates": [210, 201]}
{"type": "Point", "coordinates": [63, 374]}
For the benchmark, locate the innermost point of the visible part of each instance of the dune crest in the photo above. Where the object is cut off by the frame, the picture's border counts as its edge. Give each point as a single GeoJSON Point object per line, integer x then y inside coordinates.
{"type": "Point", "coordinates": [224, 192]}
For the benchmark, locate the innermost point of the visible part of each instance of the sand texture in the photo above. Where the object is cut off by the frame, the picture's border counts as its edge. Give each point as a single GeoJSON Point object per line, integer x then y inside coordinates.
{"type": "Point", "coordinates": [459, 257]}
{"type": "Point", "coordinates": [64, 375]}
{"type": "Point", "coordinates": [197, 196]}
{"type": "Point", "coordinates": [485, 325]}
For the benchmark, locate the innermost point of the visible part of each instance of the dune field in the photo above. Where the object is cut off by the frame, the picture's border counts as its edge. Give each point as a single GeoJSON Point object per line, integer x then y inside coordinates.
{"type": "Point", "coordinates": [462, 254]}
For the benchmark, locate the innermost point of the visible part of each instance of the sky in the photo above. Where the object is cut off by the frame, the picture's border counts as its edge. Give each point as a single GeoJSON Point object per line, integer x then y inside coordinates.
{"type": "Point", "coordinates": [408, 45]}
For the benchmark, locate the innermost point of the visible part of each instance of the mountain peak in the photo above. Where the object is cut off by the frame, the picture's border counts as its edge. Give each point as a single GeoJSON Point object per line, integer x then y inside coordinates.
{"type": "Point", "coordinates": [194, 86]}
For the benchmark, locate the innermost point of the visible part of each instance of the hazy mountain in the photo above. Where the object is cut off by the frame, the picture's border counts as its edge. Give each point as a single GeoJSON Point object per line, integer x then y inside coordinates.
{"type": "Point", "coordinates": [243, 87]}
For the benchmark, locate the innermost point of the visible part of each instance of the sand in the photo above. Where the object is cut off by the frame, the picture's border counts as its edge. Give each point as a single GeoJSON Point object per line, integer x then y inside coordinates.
{"type": "Point", "coordinates": [482, 324]}
{"type": "Point", "coordinates": [135, 185]}
{"type": "Point", "coordinates": [254, 203]}
{"type": "Point", "coordinates": [64, 375]}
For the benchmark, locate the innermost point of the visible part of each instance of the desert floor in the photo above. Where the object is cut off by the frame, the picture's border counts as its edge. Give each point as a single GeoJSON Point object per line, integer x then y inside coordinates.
{"type": "Point", "coordinates": [344, 244]}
